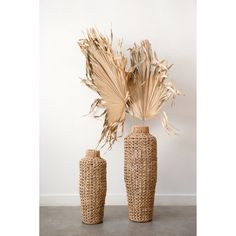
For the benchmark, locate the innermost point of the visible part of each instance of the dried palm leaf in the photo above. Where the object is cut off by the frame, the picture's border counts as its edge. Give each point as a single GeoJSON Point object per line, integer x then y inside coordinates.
{"type": "Point", "coordinates": [166, 124]}
{"type": "Point", "coordinates": [148, 85]}
{"type": "Point", "coordinates": [105, 74]}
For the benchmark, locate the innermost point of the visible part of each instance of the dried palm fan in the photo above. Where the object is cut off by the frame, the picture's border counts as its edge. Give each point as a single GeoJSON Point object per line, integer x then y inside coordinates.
{"type": "Point", "coordinates": [105, 74]}
{"type": "Point", "coordinates": [148, 85]}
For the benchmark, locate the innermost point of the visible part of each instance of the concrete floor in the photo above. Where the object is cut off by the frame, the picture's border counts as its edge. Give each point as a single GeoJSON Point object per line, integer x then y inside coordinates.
{"type": "Point", "coordinates": [167, 221]}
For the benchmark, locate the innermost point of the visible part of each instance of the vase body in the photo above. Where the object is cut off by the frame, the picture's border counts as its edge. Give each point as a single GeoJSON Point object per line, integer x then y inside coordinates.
{"type": "Point", "coordinates": [140, 172]}
{"type": "Point", "coordinates": [93, 187]}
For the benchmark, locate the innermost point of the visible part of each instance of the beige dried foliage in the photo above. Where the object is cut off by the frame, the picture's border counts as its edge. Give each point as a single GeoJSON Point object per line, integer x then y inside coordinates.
{"type": "Point", "coordinates": [105, 74]}
{"type": "Point", "coordinates": [148, 84]}
{"type": "Point", "coordinates": [140, 90]}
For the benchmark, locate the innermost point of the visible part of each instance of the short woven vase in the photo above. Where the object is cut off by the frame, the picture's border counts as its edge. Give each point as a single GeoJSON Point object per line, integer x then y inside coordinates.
{"type": "Point", "coordinates": [140, 172]}
{"type": "Point", "coordinates": [93, 187]}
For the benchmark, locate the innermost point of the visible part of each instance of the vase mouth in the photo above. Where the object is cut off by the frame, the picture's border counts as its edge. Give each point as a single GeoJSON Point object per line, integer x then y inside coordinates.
{"type": "Point", "coordinates": [92, 153]}
{"type": "Point", "coordinates": [140, 129]}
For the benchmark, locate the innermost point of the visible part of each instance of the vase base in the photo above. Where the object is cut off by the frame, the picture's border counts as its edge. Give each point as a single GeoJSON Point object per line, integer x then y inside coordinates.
{"type": "Point", "coordinates": [140, 221]}
{"type": "Point", "coordinates": [92, 223]}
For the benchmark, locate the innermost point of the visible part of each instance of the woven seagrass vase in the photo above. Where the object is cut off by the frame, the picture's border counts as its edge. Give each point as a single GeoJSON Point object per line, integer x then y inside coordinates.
{"type": "Point", "coordinates": [93, 187]}
{"type": "Point", "coordinates": [140, 172]}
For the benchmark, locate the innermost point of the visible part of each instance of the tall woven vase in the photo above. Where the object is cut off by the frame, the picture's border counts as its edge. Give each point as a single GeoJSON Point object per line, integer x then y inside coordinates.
{"type": "Point", "coordinates": [93, 187]}
{"type": "Point", "coordinates": [140, 170]}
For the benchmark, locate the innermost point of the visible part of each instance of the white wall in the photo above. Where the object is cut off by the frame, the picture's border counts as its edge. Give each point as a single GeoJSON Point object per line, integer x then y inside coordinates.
{"type": "Point", "coordinates": [65, 134]}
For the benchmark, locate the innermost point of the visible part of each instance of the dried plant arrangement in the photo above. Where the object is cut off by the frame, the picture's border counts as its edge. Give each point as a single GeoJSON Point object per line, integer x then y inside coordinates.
{"type": "Point", "coordinates": [140, 89]}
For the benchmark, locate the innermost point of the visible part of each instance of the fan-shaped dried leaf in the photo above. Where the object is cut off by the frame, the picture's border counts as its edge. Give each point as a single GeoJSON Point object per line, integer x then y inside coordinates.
{"type": "Point", "coordinates": [147, 84]}
{"type": "Point", "coordinates": [105, 73]}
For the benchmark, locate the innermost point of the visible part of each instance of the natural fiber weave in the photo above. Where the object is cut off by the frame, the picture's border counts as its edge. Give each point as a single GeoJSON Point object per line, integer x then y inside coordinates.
{"type": "Point", "coordinates": [140, 171]}
{"type": "Point", "coordinates": [92, 187]}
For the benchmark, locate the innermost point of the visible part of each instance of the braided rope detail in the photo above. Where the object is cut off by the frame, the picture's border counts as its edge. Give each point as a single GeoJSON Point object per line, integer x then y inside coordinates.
{"type": "Point", "coordinates": [93, 187]}
{"type": "Point", "coordinates": [140, 172]}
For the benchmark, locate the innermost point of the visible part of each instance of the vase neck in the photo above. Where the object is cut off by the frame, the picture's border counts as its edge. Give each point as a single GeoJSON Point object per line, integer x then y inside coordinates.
{"type": "Point", "coordinates": [140, 129]}
{"type": "Point", "coordinates": [92, 153]}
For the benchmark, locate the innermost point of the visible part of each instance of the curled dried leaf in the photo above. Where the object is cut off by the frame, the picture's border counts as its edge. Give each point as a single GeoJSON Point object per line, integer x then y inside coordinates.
{"type": "Point", "coordinates": [166, 124]}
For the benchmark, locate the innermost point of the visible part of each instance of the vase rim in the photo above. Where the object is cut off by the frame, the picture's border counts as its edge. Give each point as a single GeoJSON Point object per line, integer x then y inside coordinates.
{"type": "Point", "coordinates": [92, 153]}
{"type": "Point", "coordinates": [140, 129]}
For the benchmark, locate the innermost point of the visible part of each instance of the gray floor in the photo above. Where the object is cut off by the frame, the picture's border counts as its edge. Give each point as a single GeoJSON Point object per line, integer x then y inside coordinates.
{"type": "Point", "coordinates": [167, 221]}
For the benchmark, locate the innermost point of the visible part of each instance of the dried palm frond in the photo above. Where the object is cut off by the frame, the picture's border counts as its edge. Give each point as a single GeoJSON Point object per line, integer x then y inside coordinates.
{"type": "Point", "coordinates": [148, 85]}
{"type": "Point", "coordinates": [166, 124]}
{"type": "Point", "coordinates": [105, 74]}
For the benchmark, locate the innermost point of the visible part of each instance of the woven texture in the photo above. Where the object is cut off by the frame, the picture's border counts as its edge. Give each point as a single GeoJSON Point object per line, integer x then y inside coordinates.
{"type": "Point", "coordinates": [93, 187]}
{"type": "Point", "coordinates": [140, 171]}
